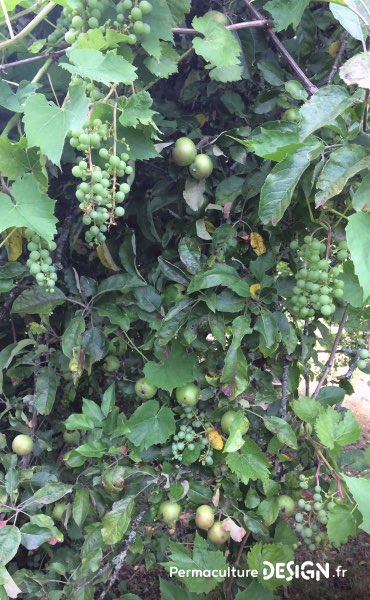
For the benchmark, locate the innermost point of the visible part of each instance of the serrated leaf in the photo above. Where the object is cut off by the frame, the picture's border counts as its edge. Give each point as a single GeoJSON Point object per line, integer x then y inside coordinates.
{"type": "Point", "coordinates": [164, 65]}
{"type": "Point", "coordinates": [286, 12]}
{"type": "Point", "coordinates": [269, 553]}
{"type": "Point", "coordinates": [358, 237]}
{"type": "Point", "coordinates": [323, 108]}
{"type": "Point", "coordinates": [41, 117]}
{"type": "Point", "coordinates": [254, 591]}
{"type": "Point", "coordinates": [249, 463]}
{"type": "Point", "coordinates": [136, 109]}
{"type": "Point", "coordinates": [151, 424]}
{"type": "Point", "coordinates": [218, 47]}
{"type": "Point", "coordinates": [170, 591]}
{"type": "Point", "coordinates": [341, 525]}
{"type": "Point", "coordinates": [334, 428]}
{"type": "Point", "coordinates": [105, 68]}
{"type": "Point", "coordinates": [15, 101]}
{"type": "Point", "coordinates": [278, 189]}
{"type": "Point", "coordinates": [343, 164]}
{"type": "Point", "coordinates": [202, 559]}
{"type": "Point", "coordinates": [307, 409]}
{"type": "Point", "coordinates": [176, 370]}
{"type": "Point", "coordinates": [115, 523]}
{"type": "Point", "coordinates": [360, 490]}
{"type": "Point", "coordinates": [30, 208]}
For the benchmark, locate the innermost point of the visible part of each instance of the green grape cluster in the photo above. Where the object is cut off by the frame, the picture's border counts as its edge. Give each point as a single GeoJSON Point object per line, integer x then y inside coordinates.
{"type": "Point", "coordinates": [363, 356]}
{"type": "Point", "coordinates": [187, 436]}
{"type": "Point", "coordinates": [101, 191]}
{"type": "Point", "coordinates": [126, 16]}
{"type": "Point", "coordinates": [317, 286]}
{"type": "Point", "coordinates": [40, 263]}
{"type": "Point", "coordinates": [313, 515]}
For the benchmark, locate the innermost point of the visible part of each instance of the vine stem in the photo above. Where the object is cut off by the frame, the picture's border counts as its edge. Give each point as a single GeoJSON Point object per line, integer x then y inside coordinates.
{"type": "Point", "coordinates": [31, 59]}
{"type": "Point", "coordinates": [338, 58]}
{"type": "Point", "coordinates": [22, 13]}
{"type": "Point", "coordinates": [30, 26]}
{"type": "Point", "coordinates": [330, 361]}
{"type": "Point", "coordinates": [310, 87]}
{"type": "Point", "coordinates": [233, 27]}
{"type": "Point", "coordinates": [236, 564]}
{"type": "Point", "coordinates": [6, 17]}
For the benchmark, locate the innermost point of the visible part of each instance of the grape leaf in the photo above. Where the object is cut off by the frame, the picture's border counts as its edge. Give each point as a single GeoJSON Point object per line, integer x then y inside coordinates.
{"type": "Point", "coordinates": [286, 12]}
{"type": "Point", "coordinates": [16, 101]}
{"type": "Point", "coordinates": [249, 462]}
{"type": "Point", "coordinates": [278, 189]}
{"type": "Point", "coordinates": [174, 371]}
{"type": "Point", "coordinates": [151, 424]}
{"type": "Point", "coordinates": [307, 409]}
{"type": "Point", "coordinates": [341, 524]}
{"type": "Point", "coordinates": [334, 428]}
{"type": "Point", "coordinates": [105, 68]}
{"type": "Point", "coordinates": [219, 47]}
{"type": "Point", "coordinates": [358, 238]}
{"type": "Point", "coordinates": [136, 109]}
{"type": "Point", "coordinates": [164, 65]}
{"type": "Point", "coordinates": [360, 490]}
{"type": "Point", "coordinates": [343, 164]}
{"type": "Point", "coordinates": [42, 117]}
{"type": "Point", "coordinates": [30, 208]}
{"type": "Point", "coordinates": [16, 160]}
{"type": "Point", "coordinates": [201, 559]}
{"type": "Point", "coordinates": [260, 554]}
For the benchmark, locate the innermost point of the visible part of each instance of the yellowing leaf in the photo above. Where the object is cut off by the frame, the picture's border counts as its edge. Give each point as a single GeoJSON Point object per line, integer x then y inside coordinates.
{"type": "Point", "coordinates": [13, 243]}
{"type": "Point", "coordinates": [257, 243]}
{"type": "Point", "coordinates": [106, 258]}
{"type": "Point", "coordinates": [201, 119]}
{"type": "Point", "coordinates": [215, 439]}
{"type": "Point", "coordinates": [333, 48]}
{"type": "Point", "coordinates": [76, 364]}
{"type": "Point", "coordinates": [255, 291]}
{"type": "Point", "coordinates": [209, 226]}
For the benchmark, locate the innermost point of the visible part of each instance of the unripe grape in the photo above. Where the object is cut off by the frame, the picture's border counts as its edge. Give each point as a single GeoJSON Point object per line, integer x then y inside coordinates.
{"type": "Point", "coordinates": [136, 14]}
{"type": "Point", "coordinates": [362, 364]}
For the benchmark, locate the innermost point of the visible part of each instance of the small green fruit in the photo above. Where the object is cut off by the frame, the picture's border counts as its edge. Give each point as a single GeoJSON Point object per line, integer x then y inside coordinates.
{"type": "Point", "coordinates": [113, 479]}
{"type": "Point", "coordinates": [217, 16]}
{"type": "Point", "coordinates": [22, 445]}
{"type": "Point", "coordinates": [170, 512]}
{"type": "Point", "coordinates": [111, 364]}
{"type": "Point", "coordinates": [144, 389]}
{"type": "Point", "coordinates": [59, 511]}
{"type": "Point", "coordinates": [188, 395]}
{"type": "Point", "coordinates": [227, 419]}
{"type": "Point", "coordinates": [217, 534]}
{"type": "Point", "coordinates": [204, 517]}
{"type": "Point", "coordinates": [286, 505]}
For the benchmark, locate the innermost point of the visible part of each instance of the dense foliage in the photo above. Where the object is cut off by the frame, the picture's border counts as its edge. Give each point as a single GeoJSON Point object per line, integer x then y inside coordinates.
{"type": "Point", "coordinates": [184, 261]}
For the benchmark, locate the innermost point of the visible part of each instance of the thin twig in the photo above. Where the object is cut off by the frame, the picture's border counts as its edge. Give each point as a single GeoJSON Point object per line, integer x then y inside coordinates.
{"type": "Point", "coordinates": [30, 26]}
{"type": "Point", "coordinates": [6, 17]}
{"type": "Point", "coordinates": [338, 59]}
{"type": "Point", "coordinates": [24, 61]}
{"type": "Point", "coordinates": [330, 361]}
{"type": "Point", "coordinates": [233, 27]}
{"type": "Point", "coordinates": [310, 87]}
{"type": "Point", "coordinates": [366, 111]}
{"type": "Point", "coordinates": [228, 594]}
{"type": "Point", "coordinates": [284, 388]}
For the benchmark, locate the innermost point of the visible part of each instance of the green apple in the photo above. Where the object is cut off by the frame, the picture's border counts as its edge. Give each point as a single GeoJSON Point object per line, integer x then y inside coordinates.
{"type": "Point", "coordinates": [22, 445]}
{"type": "Point", "coordinates": [188, 395]}
{"type": "Point", "coordinates": [217, 534]}
{"type": "Point", "coordinates": [144, 389]}
{"type": "Point", "coordinates": [204, 517]}
{"type": "Point", "coordinates": [227, 420]}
